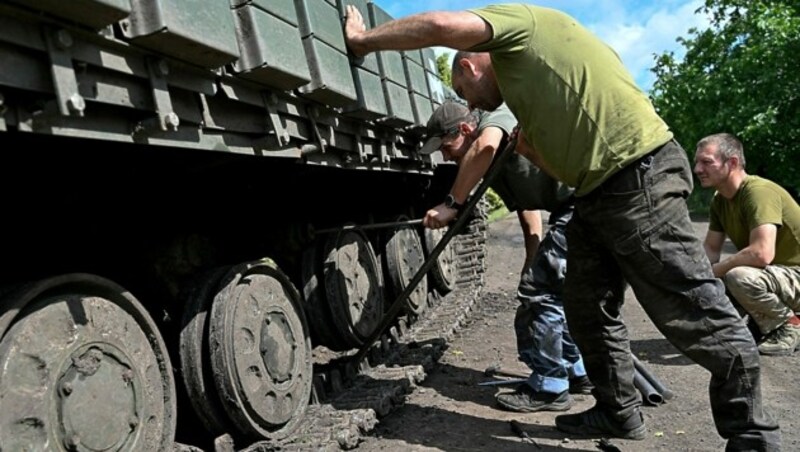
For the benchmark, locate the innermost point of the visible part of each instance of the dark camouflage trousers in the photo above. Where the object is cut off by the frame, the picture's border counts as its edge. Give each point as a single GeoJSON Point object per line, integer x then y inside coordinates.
{"type": "Point", "coordinates": [636, 227]}
{"type": "Point", "coordinates": [543, 340]}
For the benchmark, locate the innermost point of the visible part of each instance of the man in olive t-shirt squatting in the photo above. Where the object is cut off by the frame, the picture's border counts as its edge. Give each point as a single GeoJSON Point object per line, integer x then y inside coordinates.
{"type": "Point", "coordinates": [763, 222]}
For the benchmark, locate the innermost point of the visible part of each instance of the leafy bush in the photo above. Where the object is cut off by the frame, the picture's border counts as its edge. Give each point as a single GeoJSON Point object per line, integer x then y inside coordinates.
{"type": "Point", "coordinates": [494, 200]}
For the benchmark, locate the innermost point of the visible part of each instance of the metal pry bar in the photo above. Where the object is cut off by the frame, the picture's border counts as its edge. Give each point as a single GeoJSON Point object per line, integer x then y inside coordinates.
{"type": "Point", "coordinates": [364, 227]}
{"type": "Point", "coordinates": [460, 221]}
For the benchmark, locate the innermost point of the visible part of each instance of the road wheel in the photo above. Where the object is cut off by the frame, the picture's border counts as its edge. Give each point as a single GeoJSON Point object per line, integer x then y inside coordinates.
{"type": "Point", "coordinates": [82, 367]}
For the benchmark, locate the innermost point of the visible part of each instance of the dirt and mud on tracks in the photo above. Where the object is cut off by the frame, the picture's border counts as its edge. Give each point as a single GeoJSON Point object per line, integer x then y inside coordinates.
{"type": "Point", "coordinates": [427, 397]}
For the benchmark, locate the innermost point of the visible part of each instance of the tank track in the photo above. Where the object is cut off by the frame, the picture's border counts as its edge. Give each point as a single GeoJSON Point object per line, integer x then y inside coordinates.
{"type": "Point", "coordinates": [348, 402]}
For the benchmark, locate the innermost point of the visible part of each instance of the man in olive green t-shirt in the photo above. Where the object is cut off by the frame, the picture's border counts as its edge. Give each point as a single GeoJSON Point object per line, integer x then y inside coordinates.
{"type": "Point", "coordinates": [584, 121]}
{"type": "Point", "coordinates": [763, 222]}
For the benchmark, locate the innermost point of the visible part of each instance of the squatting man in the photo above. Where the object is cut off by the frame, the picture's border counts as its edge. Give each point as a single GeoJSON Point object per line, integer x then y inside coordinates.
{"type": "Point", "coordinates": [763, 222]}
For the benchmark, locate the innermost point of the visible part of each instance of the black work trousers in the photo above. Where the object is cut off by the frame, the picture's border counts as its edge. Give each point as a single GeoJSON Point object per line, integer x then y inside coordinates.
{"type": "Point", "coordinates": [635, 227]}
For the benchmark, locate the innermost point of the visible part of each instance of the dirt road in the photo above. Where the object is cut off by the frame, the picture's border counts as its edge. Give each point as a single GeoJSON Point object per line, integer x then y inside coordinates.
{"type": "Point", "coordinates": [450, 412]}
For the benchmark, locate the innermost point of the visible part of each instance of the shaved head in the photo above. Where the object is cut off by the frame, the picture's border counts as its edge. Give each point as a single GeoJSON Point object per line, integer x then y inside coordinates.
{"type": "Point", "coordinates": [474, 57]}
{"type": "Point", "coordinates": [474, 80]}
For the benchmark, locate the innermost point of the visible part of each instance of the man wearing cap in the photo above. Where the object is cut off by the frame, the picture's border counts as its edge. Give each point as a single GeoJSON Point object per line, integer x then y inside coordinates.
{"type": "Point", "coordinates": [543, 341]}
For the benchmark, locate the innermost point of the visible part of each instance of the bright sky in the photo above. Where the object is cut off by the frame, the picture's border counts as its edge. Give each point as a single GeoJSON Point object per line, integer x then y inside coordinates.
{"type": "Point", "coordinates": [636, 29]}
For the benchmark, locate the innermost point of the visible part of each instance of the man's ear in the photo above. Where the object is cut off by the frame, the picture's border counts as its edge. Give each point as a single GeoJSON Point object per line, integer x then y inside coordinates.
{"type": "Point", "coordinates": [467, 65]}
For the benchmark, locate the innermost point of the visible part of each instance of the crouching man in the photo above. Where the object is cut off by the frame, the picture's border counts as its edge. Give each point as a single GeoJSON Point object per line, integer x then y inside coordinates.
{"type": "Point", "coordinates": [763, 222]}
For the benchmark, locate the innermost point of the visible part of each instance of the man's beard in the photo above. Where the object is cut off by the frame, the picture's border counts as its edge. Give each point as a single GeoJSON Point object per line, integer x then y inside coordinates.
{"type": "Point", "coordinates": [488, 101]}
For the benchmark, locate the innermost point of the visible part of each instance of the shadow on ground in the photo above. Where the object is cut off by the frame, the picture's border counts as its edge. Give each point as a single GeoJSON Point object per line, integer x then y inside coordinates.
{"type": "Point", "coordinates": [474, 433]}
{"type": "Point", "coordinates": [659, 351]}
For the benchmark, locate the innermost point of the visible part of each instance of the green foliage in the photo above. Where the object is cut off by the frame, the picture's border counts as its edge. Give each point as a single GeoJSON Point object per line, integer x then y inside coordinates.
{"type": "Point", "coordinates": [443, 65]}
{"type": "Point", "coordinates": [699, 200]}
{"type": "Point", "coordinates": [496, 215]}
{"type": "Point", "coordinates": [494, 200]}
{"type": "Point", "coordinates": [739, 76]}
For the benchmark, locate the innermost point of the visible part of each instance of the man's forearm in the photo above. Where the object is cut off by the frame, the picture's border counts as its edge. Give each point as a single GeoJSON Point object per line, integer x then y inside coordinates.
{"type": "Point", "coordinates": [713, 255]}
{"type": "Point", "coordinates": [413, 32]}
{"type": "Point", "coordinates": [531, 223]}
{"type": "Point", "coordinates": [744, 258]}
{"type": "Point", "coordinates": [458, 30]}
{"type": "Point", "coordinates": [475, 163]}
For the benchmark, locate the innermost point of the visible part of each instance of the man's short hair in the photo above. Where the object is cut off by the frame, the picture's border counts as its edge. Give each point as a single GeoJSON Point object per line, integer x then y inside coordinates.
{"type": "Point", "coordinates": [456, 69]}
{"type": "Point", "coordinates": [727, 146]}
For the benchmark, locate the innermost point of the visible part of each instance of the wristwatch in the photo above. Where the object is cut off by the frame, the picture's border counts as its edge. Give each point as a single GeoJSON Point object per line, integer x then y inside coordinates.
{"type": "Point", "coordinates": [450, 201]}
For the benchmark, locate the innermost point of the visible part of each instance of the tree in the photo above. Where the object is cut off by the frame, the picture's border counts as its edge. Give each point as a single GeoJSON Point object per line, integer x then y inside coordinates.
{"type": "Point", "coordinates": [443, 65]}
{"type": "Point", "coordinates": [739, 76]}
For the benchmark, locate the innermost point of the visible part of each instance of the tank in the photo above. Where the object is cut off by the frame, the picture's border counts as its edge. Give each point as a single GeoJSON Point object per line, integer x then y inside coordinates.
{"type": "Point", "coordinates": [208, 208]}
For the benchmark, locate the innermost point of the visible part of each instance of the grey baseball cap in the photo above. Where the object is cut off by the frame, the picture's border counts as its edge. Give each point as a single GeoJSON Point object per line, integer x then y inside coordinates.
{"type": "Point", "coordinates": [443, 121]}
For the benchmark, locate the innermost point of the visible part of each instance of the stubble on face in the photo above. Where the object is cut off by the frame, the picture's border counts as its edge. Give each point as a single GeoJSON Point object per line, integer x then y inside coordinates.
{"type": "Point", "coordinates": [480, 89]}
{"type": "Point", "coordinates": [709, 167]}
{"type": "Point", "coordinates": [490, 97]}
{"type": "Point", "coordinates": [455, 149]}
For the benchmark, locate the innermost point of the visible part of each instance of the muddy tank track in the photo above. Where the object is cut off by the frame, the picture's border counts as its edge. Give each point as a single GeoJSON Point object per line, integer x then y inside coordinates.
{"type": "Point", "coordinates": [349, 400]}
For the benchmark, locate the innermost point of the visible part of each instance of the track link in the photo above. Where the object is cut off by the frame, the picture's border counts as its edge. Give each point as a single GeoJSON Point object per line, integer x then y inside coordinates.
{"type": "Point", "coordinates": [348, 401]}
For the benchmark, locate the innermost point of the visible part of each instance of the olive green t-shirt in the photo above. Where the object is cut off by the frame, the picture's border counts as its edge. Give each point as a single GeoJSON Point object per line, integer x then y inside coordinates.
{"type": "Point", "coordinates": [757, 202]}
{"type": "Point", "coordinates": [576, 102]}
{"type": "Point", "coordinates": [520, 184]}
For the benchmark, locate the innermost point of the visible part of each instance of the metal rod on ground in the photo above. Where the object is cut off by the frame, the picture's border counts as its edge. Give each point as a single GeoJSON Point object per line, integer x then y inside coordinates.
{"type": "Point", "coordinates": [510, 381]}
{"type": "Point", "coordinates": [459, 223]}
{"type": "Point", "coordinates": [491, 371]}
{"type": "Point", "coordinates": [652, 379]}
{"type": "Point", "coordinates": [649, 393]}
{"type": "Point", "coordinates": [517, 429]}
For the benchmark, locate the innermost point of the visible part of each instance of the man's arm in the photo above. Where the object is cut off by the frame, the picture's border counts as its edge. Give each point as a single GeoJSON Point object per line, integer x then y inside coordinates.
{"type": "Point", "coordinates": [473, 166]}
{"type": "Point", "coordinates": [759, 253]}
{"type": "Point", "coordinates": [476, 162]}
{"type": "Point", "coordinates": [713, 245]}
{"type": "Point", "coordinates": [458, 30]}
{"type": "Point", "coordinates": [531, 222]}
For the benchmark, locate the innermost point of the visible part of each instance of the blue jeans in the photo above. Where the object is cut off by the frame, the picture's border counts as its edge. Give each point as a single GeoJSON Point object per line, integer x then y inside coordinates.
{"type": "Point", "coordinates": [636, 227]}
{"type": "Point", "coordinates": [543, 340]}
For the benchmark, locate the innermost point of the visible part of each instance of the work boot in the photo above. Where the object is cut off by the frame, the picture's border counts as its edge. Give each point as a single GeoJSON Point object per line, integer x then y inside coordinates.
{"type": "Point", "coordinates": [782, 341]}
{"type": "Point", "coordinates": [595, 422]}
{"type": "Point", "coordinates": [580, 385]}
{"type": "Point", "coordinates": [525, 400]}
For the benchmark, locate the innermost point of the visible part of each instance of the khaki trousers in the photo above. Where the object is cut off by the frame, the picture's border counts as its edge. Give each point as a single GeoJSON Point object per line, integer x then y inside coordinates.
{"type": "Point", "coordinates": [771, 295]}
